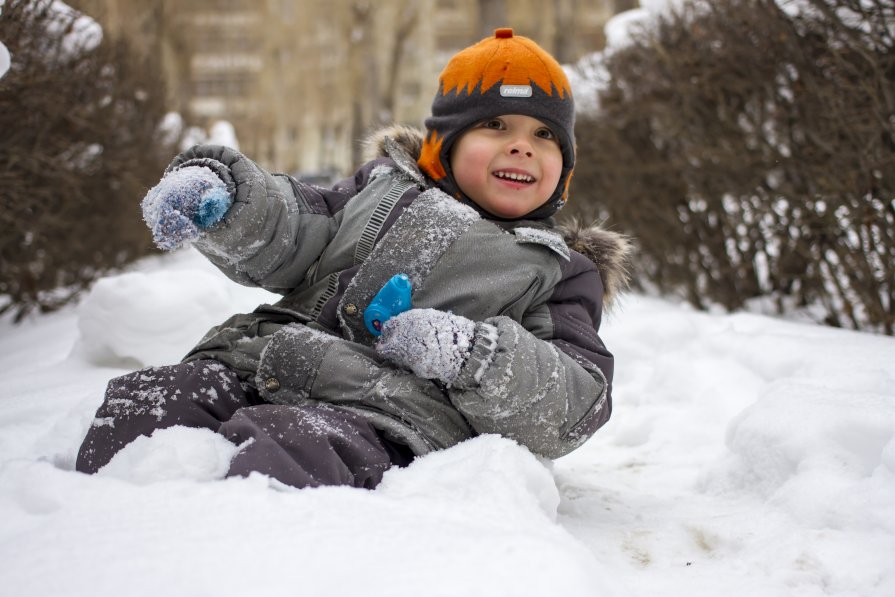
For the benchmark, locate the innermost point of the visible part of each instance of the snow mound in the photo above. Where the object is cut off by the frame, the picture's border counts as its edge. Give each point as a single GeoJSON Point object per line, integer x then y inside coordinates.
{"type": "Point", "coordinates": [483, 508]}
{"type": "Point", "coordinates": [168, 324]}
{"type": "Point", "coordinates": [173, 453]}
{"type": "Point", "coordinates": [815, 452]}
{"type": "Point", "coordinates": [504, 477]}
{"type": "Point", "coordinates": [138, 319]}
{"type": "Point", "coordinates": [472, 520]}
{"type": "Point", "coordinates": [746, 456]}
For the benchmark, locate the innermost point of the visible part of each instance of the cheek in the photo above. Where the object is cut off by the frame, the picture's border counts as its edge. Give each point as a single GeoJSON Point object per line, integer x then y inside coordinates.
{"type": "Point", "coordinates": [552, 171]}
{"type": "Point", "coordinates": [469, 164]}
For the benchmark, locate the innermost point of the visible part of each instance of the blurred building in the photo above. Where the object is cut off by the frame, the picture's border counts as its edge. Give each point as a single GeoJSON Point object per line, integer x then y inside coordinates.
{"type": "Point", "coordinates": [302, 81]}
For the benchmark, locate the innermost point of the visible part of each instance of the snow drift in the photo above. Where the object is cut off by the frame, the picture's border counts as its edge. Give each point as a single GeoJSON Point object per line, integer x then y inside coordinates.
{"type": "Point", "coordinates": [746, 456]}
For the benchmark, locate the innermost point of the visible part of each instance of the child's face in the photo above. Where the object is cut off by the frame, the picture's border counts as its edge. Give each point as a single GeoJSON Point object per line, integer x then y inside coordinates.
{"type": "Point", "coordinates": [509, 165]}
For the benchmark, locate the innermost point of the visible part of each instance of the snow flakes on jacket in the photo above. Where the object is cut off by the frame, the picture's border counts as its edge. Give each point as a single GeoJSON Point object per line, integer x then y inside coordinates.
{"type": "Point", "coordinates": [609, 251]}
{"type": "Point", "coordinates": [545, 380]}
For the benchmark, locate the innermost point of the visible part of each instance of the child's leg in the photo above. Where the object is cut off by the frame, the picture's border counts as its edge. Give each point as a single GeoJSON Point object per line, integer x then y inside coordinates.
{"type": "Point", "coordinates": [308, 446]}
{"type": "Point", "coordinates": [196, 394]}
{"type": "Point", "coordinates": [299, 445]}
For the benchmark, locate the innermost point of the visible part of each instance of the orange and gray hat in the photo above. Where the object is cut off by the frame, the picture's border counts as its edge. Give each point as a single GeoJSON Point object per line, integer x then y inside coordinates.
{"type": "Point", "coordinates": [504, 74]}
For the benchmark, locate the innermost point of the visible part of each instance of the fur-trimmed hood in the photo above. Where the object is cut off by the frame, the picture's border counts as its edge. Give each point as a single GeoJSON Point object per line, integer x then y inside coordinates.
{"type": "Point", "coordinates": [609, 251]}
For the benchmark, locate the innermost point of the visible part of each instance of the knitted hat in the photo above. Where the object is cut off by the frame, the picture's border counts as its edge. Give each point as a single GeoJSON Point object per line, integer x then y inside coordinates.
{"type": "Point", "coordinates": [531, 83]}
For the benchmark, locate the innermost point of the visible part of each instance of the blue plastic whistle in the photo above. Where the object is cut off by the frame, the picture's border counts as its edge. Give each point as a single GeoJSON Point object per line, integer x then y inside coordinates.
{"type": "Point", "coordinates": [393, 299]}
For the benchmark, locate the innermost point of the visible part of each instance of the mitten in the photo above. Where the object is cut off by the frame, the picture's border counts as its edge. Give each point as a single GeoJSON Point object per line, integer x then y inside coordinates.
{"type": "Point", "coordinates": [183, 204]}
{"type": "Point", "coordinates": [431, 343]}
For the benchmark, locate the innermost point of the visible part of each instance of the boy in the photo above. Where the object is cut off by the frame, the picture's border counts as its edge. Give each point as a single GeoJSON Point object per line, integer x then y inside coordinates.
{"type": "Point", "coordinates": [502, 337]}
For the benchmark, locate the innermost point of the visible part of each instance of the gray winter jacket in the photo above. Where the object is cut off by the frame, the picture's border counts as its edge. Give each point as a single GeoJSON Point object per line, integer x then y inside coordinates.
{"type": "Point", "coordinates": [544, 380]}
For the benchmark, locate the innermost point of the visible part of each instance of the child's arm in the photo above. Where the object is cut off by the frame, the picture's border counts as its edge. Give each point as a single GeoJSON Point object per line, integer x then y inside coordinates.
{"type": "Point", "coordinates": [549, 395]}
{"type": "Point", "coordinates": [268, 229]}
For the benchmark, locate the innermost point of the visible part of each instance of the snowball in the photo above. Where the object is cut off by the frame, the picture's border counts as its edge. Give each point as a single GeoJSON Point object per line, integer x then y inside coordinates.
{"type": "Point", "coordinates": [173, 453]}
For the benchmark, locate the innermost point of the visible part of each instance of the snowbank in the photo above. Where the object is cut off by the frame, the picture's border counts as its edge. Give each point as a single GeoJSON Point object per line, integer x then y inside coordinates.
{"type": "Point", "coordinates": [746, 456]}
{"type": "Point", "coordinates": [477, 520]}
{"type": "Point", "coordinates": [138, 319]}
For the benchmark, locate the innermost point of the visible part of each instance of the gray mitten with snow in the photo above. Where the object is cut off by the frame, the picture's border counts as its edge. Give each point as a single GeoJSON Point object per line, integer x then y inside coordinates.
{"type": "Point", "coordinates": [183, 204]}
{"type": "Point", "coordinates": [431, 343]}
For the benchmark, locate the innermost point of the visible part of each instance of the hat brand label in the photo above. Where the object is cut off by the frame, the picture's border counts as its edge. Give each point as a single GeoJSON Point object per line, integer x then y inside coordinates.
{"type": "Point", "coordinates": [515, 90]}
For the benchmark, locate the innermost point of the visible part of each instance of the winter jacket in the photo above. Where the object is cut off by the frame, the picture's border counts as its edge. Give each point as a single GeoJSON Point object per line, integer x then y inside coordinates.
{"type": "Point", "coordinates": [544, 380]}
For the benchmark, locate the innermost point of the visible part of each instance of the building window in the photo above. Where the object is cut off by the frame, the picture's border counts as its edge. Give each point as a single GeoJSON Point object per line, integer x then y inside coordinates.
{"type": "Point", "coordinates": [221, 85]}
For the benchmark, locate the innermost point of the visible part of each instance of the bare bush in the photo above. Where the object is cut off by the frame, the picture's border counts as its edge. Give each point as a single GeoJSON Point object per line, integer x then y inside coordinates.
{"type": "Point", "coordinates": [78, 148]}
{"type": "Point", "coordinates": [749, 145]}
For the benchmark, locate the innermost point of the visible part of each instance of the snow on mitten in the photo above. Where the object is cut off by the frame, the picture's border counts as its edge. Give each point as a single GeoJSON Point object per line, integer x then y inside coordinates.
{"type": "Point", "coordinates": [431, 343]}
{"type": "Point", "coordinates": [185, 202]}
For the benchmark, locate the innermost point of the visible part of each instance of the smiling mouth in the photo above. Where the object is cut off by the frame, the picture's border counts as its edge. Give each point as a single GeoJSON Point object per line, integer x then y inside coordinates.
{"type": "Point", "coordinates": [514, 177]}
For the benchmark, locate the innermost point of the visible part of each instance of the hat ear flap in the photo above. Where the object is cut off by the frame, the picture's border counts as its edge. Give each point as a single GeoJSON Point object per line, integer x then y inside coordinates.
{"type": "Point", "coordinates": [430, 156]}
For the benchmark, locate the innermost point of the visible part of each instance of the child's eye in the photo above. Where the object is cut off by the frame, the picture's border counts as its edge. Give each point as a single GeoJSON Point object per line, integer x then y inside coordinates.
{"type": "Point", "coordinates": [494, 123]}
{"type": "Point", "coordinates": [545, 133]}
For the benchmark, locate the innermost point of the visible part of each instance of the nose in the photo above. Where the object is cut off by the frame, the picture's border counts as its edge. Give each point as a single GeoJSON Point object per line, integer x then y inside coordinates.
{"type": "Point", "coordinates": [519, 142]}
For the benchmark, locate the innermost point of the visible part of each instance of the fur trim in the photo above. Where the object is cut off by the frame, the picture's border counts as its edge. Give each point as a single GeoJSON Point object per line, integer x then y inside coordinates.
{"type": "Point", "coordinates": [609, 251]}
{"type": "Point", "coordinates": [408, 137]}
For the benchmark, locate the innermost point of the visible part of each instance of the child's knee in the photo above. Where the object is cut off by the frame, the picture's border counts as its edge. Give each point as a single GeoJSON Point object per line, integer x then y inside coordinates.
{"type": "Point", "coordinates": [307, 446]}
{"type": "Point", "coordinates": [199, 394]}
{"type": "Point", "coordinates": [156, 391]}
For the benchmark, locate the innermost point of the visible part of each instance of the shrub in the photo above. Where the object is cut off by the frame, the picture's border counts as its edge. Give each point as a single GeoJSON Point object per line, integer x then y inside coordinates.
{"type": "Point", "coordinates": [749, 146]}
{"type": "Point", "coordinates": [79, 147]}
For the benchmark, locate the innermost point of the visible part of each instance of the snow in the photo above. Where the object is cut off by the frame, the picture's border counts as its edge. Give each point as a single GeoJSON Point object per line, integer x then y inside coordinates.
{"type": "Point", "coordinates": [618, 29]}
{"type": "Point", "coordinates": [431, 343]}
{"type": "Point", "coordinates": [144, 318]}
{"type": "Point", "coordinates": [173, 453]}
{"type": "Point", "coordinates": [589, 76]}
{"type": "Point", "coordinates": [746, 456]}
{"type": "Point", "coordinates": [223, 133]}
{"type": "Point", "coordinates": [183, 204]}
{"type": "Point", "coordinates": [4, 60]}
{"type": "Point", "coordinates": [79, 32]}
{"type": "Point", "coordinates": [171, 128]}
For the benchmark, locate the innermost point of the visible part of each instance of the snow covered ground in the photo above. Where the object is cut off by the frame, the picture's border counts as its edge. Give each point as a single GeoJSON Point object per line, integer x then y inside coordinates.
{"type": "Point", "coordinates": [746, 456]}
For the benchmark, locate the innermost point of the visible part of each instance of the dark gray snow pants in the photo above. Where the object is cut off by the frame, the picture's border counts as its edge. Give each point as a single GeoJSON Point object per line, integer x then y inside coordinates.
{"type": "Point", "coordinates": [304, 446]}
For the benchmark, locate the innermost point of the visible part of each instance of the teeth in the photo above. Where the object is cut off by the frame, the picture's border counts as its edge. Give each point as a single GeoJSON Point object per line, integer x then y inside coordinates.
{"type": "Point", "coordinates": [514, 176]}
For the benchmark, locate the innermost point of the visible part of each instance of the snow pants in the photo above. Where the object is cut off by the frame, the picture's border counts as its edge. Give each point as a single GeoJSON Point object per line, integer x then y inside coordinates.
{"type": "Point", "coordinates": [301, 446]}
